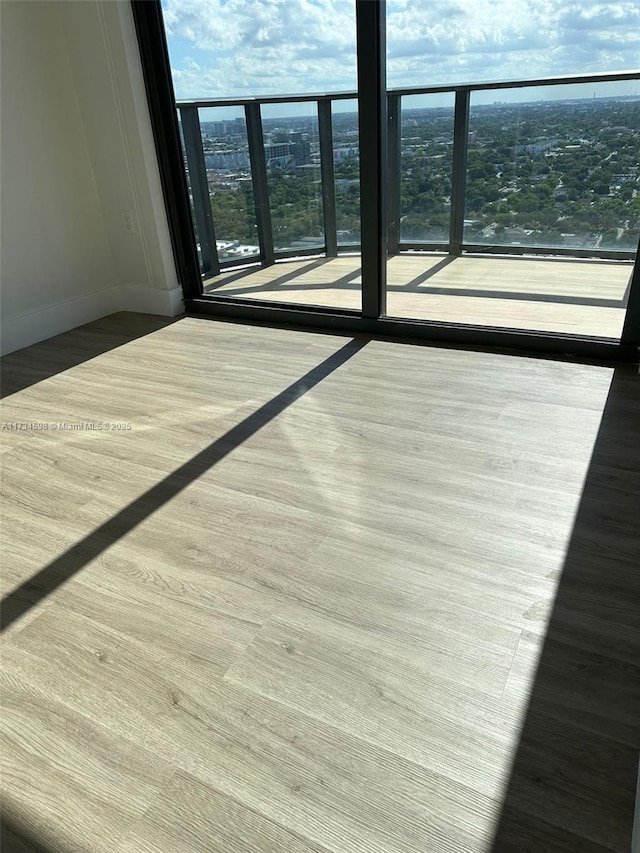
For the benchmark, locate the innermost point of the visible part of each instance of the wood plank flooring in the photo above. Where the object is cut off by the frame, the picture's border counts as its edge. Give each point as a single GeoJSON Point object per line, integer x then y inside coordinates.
{"type": "Point", "coordinates": [572, 296]}
{"type": "Point", "coordinates": [324, 595]}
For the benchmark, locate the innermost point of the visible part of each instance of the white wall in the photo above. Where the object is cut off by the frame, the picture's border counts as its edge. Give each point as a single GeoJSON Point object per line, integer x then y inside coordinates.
{"type": "Point", "coordinates": [76, 151]}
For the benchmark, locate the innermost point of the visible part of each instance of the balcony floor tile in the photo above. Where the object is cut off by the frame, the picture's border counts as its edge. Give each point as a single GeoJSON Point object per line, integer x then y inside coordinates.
{"type": "Point", "coordinates": [573, 296]}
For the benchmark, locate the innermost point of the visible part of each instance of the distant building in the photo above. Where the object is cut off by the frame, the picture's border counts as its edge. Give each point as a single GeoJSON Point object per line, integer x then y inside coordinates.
{"type": "Point", "coordinates": [345, 152]}
{"type": "Point", "coordinates": [295, 152]}
{"type": "Point", "coordinates": [228, 159]}
{"type": "Point", "coordinates": [538, 147]}
{"type": "Point", "coordinates": [278, 155]}
{"type": "Point", "coordinates": [235, 249]}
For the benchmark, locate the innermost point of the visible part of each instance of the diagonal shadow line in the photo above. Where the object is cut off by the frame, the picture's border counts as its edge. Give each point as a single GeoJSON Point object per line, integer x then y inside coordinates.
{"type": "Point", "coordinates": [522, 296]}
{"type": "Point", "coordinates": [627, 291]}
{"type": "Point", "coordinates": [15, 837]}
{"type": "Point", "coordinates": [348, 277]}
{"type": "Point", "coordinates": [238, 275]}
{"type": "Point", "coordinates": [282, 279]}
{"type": "Point", "coordinates": [427, 274]}
{"type": "Point", "coordinates": [343, 281]}
{"type": "Point", "coordinates": [43, 583]}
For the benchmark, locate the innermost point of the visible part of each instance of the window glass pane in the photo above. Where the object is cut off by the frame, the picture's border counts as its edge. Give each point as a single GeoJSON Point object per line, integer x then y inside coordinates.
{"type": "Point", "coordinates": [292, 158]}
{"type": "Point", "coordinates": [346, 166]}
{"type": "Point", "coordinates": [226, 157]}
{"type": "Point", "coordinates": [426, 145]}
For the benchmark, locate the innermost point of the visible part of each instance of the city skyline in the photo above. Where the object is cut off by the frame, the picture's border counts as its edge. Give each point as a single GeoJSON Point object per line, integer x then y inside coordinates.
{"type": "Point", "coordinates": [558, 174]}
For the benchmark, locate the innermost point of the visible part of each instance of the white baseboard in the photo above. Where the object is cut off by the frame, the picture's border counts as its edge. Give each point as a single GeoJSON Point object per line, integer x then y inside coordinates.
{"type": "Point", "coordinates": [144, 300]}
{"type": "Point", "coordinates": [35, 326]}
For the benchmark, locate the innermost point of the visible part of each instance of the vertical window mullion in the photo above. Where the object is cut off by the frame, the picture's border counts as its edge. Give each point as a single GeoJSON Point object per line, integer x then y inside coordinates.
{"type": "Point", "coordinates": [200, 189]}
{"type": "Point", "coordinates": [372, 116]}
{"type": "Point", "coordinates": [393, 172]}
{"type": "Point", "coordinates": [325, 133]}
{"type": "Point", "coordinates": [459, 170]}
{"type": "Point", "coordinates": [255, 139]}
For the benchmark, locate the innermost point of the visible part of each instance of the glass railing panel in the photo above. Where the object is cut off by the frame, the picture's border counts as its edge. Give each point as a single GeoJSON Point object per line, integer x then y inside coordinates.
{"type": "Point", "coordinates": [426, 148]}
{"type": "Point", "coordinates": [188, 177]}
{"type": "Point", "coordinates": [346, 166]}
{"type": "Point", "coordinates": [229, 181]}
{"type": "Point", "coordinates": [292, 158]}
{"type": "Point", "coordinates": [555, 166]}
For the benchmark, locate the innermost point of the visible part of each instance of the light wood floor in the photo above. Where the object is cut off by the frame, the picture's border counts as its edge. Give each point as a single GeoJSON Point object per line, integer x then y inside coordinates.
{"type": "Point", "coordinates": [572, 296]}
{"type": "Point", "coordinates": [325, 594]}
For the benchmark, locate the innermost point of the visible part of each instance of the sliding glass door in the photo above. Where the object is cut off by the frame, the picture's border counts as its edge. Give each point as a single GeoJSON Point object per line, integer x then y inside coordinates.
{"type": "Point", "coordinates": [401, 196]}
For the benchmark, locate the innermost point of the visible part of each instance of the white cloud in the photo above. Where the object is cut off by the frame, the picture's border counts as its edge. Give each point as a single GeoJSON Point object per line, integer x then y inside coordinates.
{"type": "Point", "coordinates": [447, 41]}
{"type": "Point", "coordinates": [227, 48]}
{"type": "Point", "coordinates": [248, 47]}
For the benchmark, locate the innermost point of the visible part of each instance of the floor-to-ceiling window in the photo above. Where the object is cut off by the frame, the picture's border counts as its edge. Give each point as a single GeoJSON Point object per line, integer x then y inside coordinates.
{"type": "Point", "coordinates": [347, 161]}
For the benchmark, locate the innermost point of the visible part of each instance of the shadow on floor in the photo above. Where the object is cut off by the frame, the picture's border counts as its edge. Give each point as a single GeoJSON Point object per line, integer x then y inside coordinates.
{"type": "Point", "coordinates": [573, 782]}
{"type": "Point", "coordinates": [427, 274]}
{"type": "Point", "coordinates": [29, 366]}
{"type": "Point", "coordinates": [289, 282]}
{"type": "Point", "coordinates": [215, 282]}
{"type": "Point", "coordinates": [281, 283]}
{"type": "Point", "coordinates": [49, 578]}
{"type": "Point", "coordinates": [15, 838]}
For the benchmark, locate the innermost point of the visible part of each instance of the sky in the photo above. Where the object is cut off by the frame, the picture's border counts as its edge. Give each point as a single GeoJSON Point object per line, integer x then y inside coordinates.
{"type": "Point", "coordinates": [227, 48]}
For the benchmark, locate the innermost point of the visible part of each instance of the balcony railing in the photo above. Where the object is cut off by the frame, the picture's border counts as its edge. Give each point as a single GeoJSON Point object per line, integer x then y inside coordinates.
{"type": "Point", "coordinates": [213, 260]}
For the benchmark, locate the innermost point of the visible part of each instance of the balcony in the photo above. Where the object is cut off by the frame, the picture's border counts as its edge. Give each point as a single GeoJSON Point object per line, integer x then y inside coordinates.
{"type": "Point", "coordinates": [521, 214]}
